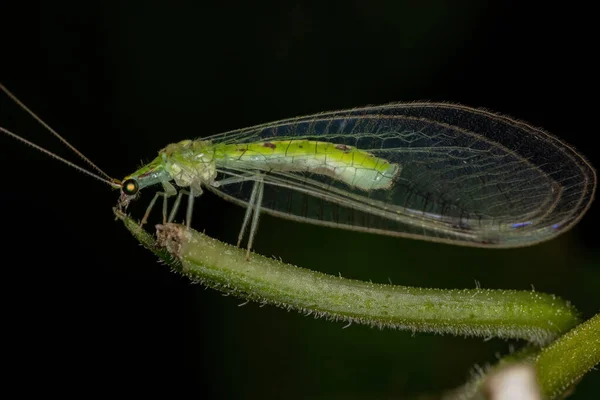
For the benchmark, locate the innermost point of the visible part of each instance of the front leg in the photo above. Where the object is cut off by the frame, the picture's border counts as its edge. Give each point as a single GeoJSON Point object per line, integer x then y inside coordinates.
{"type": "Point", "coordinates": [169, 190]}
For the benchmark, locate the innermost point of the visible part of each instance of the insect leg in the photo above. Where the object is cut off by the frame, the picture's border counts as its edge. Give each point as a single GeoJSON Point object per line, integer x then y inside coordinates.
{"type": "Point", "coordinates": [195, 191]}
{"type": "Point", "coordinates": [233, 179]}
{"type": "Point", "coordinates": [248, 213]}
{"type": "Point", "coordinates": [164, 208]}
{"type": "Point", "coordinates": [176, 205]}
{"type": "Point", "coordinates": [190, 207]}
{"type": "Point", "coordinates": [169, 191]}
{"type": "Point", "coordinates": [254, 225]}
{"type": "Point", "coordinates": [254, 203]}
{"type": "Point", "coordinates": [147, 214]}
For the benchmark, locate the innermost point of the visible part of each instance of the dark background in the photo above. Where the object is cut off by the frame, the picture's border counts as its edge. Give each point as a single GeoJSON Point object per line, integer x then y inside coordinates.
{"type": "Point", "coordinates": [87, 310]}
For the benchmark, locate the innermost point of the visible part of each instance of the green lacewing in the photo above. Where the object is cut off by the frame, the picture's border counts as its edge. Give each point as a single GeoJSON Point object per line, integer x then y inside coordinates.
{"type": "Point", "coordinates": [432, 171]}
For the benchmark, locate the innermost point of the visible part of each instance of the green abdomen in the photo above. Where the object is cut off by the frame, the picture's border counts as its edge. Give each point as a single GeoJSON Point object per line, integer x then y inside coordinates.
{"type": "Point", "coordinates": [348, 164]}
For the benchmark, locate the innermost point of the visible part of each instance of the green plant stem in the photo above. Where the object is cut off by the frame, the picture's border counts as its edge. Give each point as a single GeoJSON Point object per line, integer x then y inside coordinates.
{"type": "Point", "coordinates": [533, 316]}
{"type": "Point", "coordinates": [536, 317]}
{"type": "Point", "coordinates": [564, 362]}
{"type": "Point", "coordinates": [558, 366]}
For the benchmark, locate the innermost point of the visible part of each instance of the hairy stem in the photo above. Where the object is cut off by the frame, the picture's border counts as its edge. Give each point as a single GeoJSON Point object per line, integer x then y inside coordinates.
{"type": "Point", "coordinates": [558, 366]}
{"type": "Point", "coordinates": [535, 317]}
{"type": "Point", "coordinates": [564, 362]}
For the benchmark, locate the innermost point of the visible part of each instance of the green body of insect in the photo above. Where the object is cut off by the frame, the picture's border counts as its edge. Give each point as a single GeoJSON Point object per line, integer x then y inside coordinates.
{"type": "Point", "coordinates": [195, 162]}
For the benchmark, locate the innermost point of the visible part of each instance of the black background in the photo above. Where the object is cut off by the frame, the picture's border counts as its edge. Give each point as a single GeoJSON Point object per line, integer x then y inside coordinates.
{"type": "Point", "coordinates": [87, 310]}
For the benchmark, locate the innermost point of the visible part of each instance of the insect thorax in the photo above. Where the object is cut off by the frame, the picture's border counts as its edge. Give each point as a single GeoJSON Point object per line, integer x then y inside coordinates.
{"type": "Point", "coordinates": [190, 162]}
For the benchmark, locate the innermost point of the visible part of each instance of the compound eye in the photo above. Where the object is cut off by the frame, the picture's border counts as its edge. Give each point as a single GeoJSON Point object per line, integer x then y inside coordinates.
{"type": "Point", "coordinates": [130, 187]}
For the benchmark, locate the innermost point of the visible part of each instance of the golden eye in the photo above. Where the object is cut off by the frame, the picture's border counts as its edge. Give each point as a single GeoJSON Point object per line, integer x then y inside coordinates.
{"type": "Point", "coordinates": [130, 187]}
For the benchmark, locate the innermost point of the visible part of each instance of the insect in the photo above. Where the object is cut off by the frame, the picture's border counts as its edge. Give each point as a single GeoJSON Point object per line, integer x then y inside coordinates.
{"type": "Point", "coordinates": [432, 171]}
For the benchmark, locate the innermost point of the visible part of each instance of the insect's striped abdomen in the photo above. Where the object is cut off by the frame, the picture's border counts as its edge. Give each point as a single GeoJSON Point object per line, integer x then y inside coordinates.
{"type": "Point", "coordinates": [348, 164]}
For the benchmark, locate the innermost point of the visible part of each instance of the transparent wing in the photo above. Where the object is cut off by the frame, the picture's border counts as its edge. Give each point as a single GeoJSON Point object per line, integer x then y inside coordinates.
{"type": "Point", "coordinates": [467, 176]}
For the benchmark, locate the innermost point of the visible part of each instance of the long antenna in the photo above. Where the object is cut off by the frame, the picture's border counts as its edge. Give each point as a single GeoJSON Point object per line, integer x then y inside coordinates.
{"type": "Point", "coordinates": [62, 139]}
{"type": "Point", "coordinates": [111, 182]}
